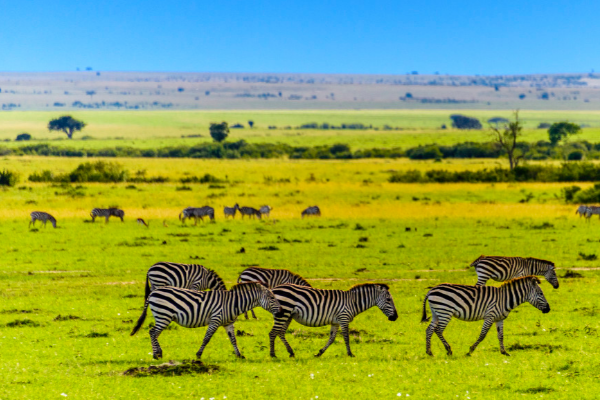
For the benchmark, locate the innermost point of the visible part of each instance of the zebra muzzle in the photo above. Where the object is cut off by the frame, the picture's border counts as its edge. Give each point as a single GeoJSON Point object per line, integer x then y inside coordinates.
{"type": "Point", "coordinates": [393, 317]}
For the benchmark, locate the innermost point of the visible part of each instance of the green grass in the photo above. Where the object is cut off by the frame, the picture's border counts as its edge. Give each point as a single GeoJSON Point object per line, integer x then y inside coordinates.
{"type": "Point", "coordinates": [147, 129]}
{"type": "Point", "coordinates": [70, 295]}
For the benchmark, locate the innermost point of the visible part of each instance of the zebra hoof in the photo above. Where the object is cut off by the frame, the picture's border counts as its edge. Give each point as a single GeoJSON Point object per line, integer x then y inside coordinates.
{"type": "Point", "coordinates": [292, 355]}
{"type": "Point", "coordinates": [505, 353]}
{"type": "Point", "coordinates": [351, 355]}
{"type": "Point", "coordinates": [273, 356]}
{"type": "Point", "coordinates": [157, 356]}
{"type": "Point", "coordinates": [241, 357]}
{"type": "Point", "coordinates": [319, 354]}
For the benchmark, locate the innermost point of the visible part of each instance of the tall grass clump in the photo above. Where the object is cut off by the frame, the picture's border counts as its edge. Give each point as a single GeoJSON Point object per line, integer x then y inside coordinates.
{"type": "Point", "coordinates": [8, 178]}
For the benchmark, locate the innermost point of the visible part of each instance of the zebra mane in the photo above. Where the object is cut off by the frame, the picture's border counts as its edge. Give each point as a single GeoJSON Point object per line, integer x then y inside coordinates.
{"type": "Point", "coordinates": [540, 260]}
{"type": "Point", "coordinates": [299, 277]}
{"type": "Point", "coordinates": [478, 259]}
{"type": "Point", "coordinates": [361, 285]}
{"type": "Point", "coordinates": [238, 287]}
{"type": "Point", "coordinates": [216, 276]}
{"type": "Point", "coordinates": [531, 277]}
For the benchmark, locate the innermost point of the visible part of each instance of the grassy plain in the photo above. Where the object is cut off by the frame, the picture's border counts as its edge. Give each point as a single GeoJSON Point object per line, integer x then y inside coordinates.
{"type": "Point", "coordinates": [151, 129]}
{"type": "Point", "coordinates": [91, 275]}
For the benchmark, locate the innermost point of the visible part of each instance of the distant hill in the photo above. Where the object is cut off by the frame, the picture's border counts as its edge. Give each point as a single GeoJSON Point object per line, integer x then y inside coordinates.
{"type": "Point", "coordinates": [230, 91]}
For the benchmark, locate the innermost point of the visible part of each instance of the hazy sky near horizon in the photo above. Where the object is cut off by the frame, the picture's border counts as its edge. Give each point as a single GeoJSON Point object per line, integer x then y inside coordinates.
{"type": "Point", "coordinates": [313, 36]}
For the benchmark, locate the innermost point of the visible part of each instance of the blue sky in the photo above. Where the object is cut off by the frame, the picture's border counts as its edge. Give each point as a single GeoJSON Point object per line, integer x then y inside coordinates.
{"type": "Point", "coordinates": [314, 36]}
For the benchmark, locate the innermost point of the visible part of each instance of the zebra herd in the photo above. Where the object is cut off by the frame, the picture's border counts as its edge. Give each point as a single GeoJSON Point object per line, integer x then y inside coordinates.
{"type": "Point", "coordinates": [187, 213]}
{"type": "Point", "coordinates": [175, 292]}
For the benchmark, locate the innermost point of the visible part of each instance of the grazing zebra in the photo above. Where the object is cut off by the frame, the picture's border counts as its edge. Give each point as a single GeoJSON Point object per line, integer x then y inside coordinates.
{"type": "Point", "coordinates": [265, 210]}
{"type": "Point", "coordinates": [503, 269]}
{"type": "Point", "coordinates": [229, 211]}
{"type": "Point", "coordinates": [107, 213]}
{"type": "Point", "coordinates": [313, 210]}
{"type": "Point", "coordinates": [186, 276]}
{"type": "Point", "coordinates": [142, 222]}
{"type": "Point", "coordinates": [473, 303]}
{"type": "Point", "coordinates": [192, 309]}
{"type": "Point", "coordinates": [581, 210]}
{"type": "Point", "coordinates": [43, 217]}
{"type": "Point", "coordinates": [200, 212]}
{"type": "Point", "coordinates": [591, 210]}
{"type": "Point", "coordinates": [316, 307]}
{"type": "Point", "coordinates": [249, 211]}
{"type": "Point", "coordinates": [271, 278]}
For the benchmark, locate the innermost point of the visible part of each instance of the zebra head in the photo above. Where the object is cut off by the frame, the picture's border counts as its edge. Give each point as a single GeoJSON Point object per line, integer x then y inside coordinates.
{"type": "Point", "coordinates": [385, 302]}
{"type": "Point", "coordinates": [267, 300]}
{"type": "Point", "coordinates": [551, 277]}
{"type": "Point", "coordinates": [535, 296]}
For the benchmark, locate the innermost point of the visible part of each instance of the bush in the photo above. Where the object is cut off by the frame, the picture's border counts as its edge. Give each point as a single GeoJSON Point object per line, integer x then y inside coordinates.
{"type": "Point", "coordinates": [576, 155]}
{"type": "Point", "coordinates": [569, 193]}
{"type": "Point", "coordinates": [8, 178]}
{"type": "Point", "coordinates": [44, 176]}
{"type": "Point", "coordinates": [99, 171]}
{"type": "Point", "coordinates": [424, 153]}
{"type": "Point", "coordinates": [464, 122]}
{"type": "Point", "coordinates": [23, 136]}
{"type": "Point", "coordinates": [591, 195]}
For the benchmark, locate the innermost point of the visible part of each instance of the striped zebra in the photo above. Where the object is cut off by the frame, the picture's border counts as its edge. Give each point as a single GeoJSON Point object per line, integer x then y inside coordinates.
{"type": "Point", "coordinates": [107, 213]}
{"type": "Point", "coordinates": [249, 211]}
{"type": "Point", "coordinates": [197, 212]}
{"type": "Point", "coordinates": [503, 269]}
{"type": "Point", "coordinates": [591, 210]}
{"type": "Point", "coordinates": [186, 276]}
{"type": "Point", "coordinates": [271, 278]}
{"type": "Point", "coordinates": [316, 307]}
{"type": "Point", "coordinates": [265, 210]}
{"type": "Point", "coordinates": [312, 210]}
{"type": "Point", "coordinates": [581, 210]}
{"type": "Point", "coordinates": [43, 217]}
{"type": "Point", "coordinates": [229, 211]}
{"type": "Point", "coordinates": [192, 309]}
{"type": "Point", "coordinates": [474, 303]}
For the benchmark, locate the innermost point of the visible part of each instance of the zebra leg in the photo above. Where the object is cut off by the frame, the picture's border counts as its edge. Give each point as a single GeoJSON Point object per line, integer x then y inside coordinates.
{"type": "Point", "coordinates": [253, 315]}
{"type": "Point", "coordinates": [500, 329]}
{"type": "Point", "coordinates": [106, 220]}
{"type": "Point", "coordinates": [481, 280]}
{"type": "Point", "coordinates": [487, 324]}
{"type": "Point", "coordinates": [212, 328]}
{"type": "Point", "coordinates": [332, 334]}
{"type": "Point", "coordinates": [31, 222]}
{"type": "Point", "coordinates": [429, 333]}
{"type": "Point", "coordinates": [231, 333]}
{"type": "Point", "coordinates": [45, 224]}
{"type": "Point", "coordinates": [279, 329]}
{"type": "Point", "coordinates": [156, 350]}
{"type": "Point", "coordinates": [346, 334]}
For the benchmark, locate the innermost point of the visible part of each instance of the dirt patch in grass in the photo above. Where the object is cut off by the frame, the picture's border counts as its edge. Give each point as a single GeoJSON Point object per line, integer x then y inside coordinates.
{"type": "Point", "coordinates": [66, 317]}
{"type": "Point", "coordinates": [546, 348]}
{"type": "Point", "coordinates": [173, 368]}
{"type": "Point", "coordinates": [93, 335]}
{"type": "Point", "coordinates": [17, 323]}
{"type": "Point", "coordinates": [535, 390]}
{"type": "Point", "coordinates": [570, 274]}
{"type": "Point", "coordinates": [15, 311]}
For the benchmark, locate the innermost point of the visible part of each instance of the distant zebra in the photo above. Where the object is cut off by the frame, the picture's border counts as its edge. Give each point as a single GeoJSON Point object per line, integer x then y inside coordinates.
{"type": "Point", "coordinates": [316, 307]}
{"type": "Point", "coordinates": [313, 210]}
{"type": "Point", "coordinates": [265, 210]}
{"type": "Point", "coordinates": [271, 277]}
{"type": "Point", "coordinates": [581, 210]}
{"type": "Point", "coordinates": [591, 210]}
{"type": "Point", "coordinates": [229, 211]}
{"type": "Point", "coordinates": [43, 217]}
{"type": "Point", "coordinates": [186, 276]}
{"type": "Point", "coordinates": [192, 309]}
{"type": "Point", "coordinates": [142, 222]}
{"type": "Point", "coordinates": [249, 211]}
{"type": "Point", "coordinates": [197, 212]}
{"type": "Point", "coordinates": [503, 269]}
{"type": "Point", "coordinates": [107, 213]}
{"type": "Point", "coordinates": [474, 303]}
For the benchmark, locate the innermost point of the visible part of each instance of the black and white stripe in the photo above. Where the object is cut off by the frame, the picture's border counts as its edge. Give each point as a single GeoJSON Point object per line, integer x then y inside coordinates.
{"type": "Point", "coordinates": [312, 210]}
{"type": "Point", "coordinates": [271, 278]}
{"type": "Point", "coordinates": [186, 276]}
{"type": "Point", "coordinates": [192, 309]}
{"type": "Point", "coordinates": [265, 210]}
{"type": "Point", "coordinates": [504, 268]}
{"type": "Point", "coordinates": [581, 210]}
{"type": "Point", "coordinates": [248, 211]}
{"type": "Point", "coordinates": [474, 303]}
{"type": "Point", "coordinates": [229, 211]}
{"type": "Point", "coordinates": [316, 307]}
{"type": "Point", "coordinates": [107, 213]}
{"type": "Point", "coordinates": [43, 217]}
{"type": "Point", "coordinates": [197, 212]}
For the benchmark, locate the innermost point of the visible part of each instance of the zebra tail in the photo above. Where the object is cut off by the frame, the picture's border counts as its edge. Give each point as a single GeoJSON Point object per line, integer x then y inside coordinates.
{"type": "Point", "coordinates": [141, 320]}
{"type": "Point", "coordinates": [424, 317]}
{"type": "Point", "coordinates": [147, 289]}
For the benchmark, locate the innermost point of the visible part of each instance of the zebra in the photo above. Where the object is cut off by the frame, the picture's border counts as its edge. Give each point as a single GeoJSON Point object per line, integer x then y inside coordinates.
{"type": "Point", "coordinates": [107, 213]}
{"type": "Point", "coordinates": [43, 217]}
{"type": "Point", "coordinates": [581, 210]}
{"type": "Point", "coordinates": [503, 269]}
{"type": "Point", "coordinates": [591, 210]}
{"type": "Point", "coordinates": [229, 211]}
{"type": "Point", "coordinates": [192, 309]}
{"type": "Point", "coordinates": [271, 277]}
{"type": "Point", "coordinates": [200, 212]}
{"type": "Point", "coordinates": [316, 307]}
{"type": "Point", "coordinates": [312, 210]}
{"type": "Point", "coordinates": [265, 210]}
{"type": "Point", "coordinates": [140, 221]}
{"type": "Point", "coordinates": [186, 276]}
{"type": "Point", "coordinates": [249, 211]}
{"type": "Point", "coordinates": [473, 303]}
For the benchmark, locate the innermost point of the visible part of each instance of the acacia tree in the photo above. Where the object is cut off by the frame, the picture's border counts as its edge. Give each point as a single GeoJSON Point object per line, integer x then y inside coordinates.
{"type": "Point", "coordinates": [67, 124]}
{"type": "Point", "coordinates": [562, 130]}
{"type": "Point", "coordinates": [507, 138]}
{"type": "Point", "coordinates": [219, 132]}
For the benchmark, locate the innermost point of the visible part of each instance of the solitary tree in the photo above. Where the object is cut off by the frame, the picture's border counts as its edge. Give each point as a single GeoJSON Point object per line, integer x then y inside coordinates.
{"type": "Point", "coordinates": [219, 132]}
{"type": "Point", "coordinates": [507, 138]}
{"type": "Point", "coordinates": [91, 93]}
{"type": "Point", "coordinates": [562, 130]}
{"type": "Point", "coordinates": [67, 124]}
{"type": "Point", "coordinates": [251, 124]}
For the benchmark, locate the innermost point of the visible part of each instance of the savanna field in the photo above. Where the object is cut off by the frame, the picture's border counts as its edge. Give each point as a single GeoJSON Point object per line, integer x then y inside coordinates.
{"type": "Point", "coordinates": [70, 296]}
